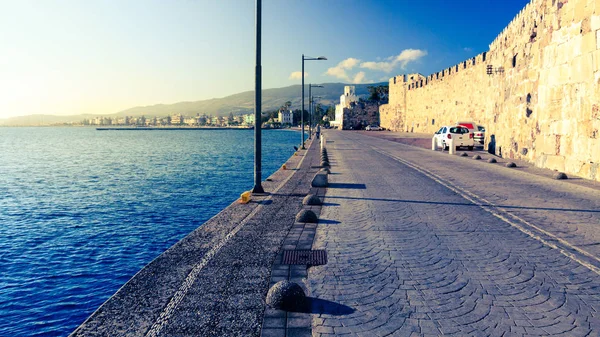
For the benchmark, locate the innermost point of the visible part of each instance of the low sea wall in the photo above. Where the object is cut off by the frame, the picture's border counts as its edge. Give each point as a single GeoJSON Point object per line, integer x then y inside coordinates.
{"type": "Point", "coordinates": [214, 281]}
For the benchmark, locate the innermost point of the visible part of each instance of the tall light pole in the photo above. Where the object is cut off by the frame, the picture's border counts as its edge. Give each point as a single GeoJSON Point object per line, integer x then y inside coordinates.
{"type": "Point", "coordinates": [257, 107]}
{"type": "Point", "coordinates": [310, 107]}
{"type": "Point", "coordinates": [320, 58]}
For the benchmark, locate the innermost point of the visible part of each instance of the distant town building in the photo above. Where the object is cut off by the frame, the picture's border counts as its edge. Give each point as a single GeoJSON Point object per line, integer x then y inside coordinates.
{"type": "Point", "coordinates": [249, 119]}
{"type": "Point", "coordinates": [177, 119]}
{"type": "Point", "coordinates": [285, 116]}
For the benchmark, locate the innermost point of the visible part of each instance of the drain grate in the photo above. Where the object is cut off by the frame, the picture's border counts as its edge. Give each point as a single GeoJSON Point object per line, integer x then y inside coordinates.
{"type": "Point", "coordinates": [307, 257]}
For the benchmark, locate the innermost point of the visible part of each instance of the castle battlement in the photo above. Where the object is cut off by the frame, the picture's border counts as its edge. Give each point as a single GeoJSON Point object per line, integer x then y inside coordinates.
{"type": "Point", "coordinates": [536, 90]}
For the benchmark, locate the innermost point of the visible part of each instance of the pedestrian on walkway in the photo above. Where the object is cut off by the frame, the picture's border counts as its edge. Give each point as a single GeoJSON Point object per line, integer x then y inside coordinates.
{"type": "Point", "coordinates": [318, 130]}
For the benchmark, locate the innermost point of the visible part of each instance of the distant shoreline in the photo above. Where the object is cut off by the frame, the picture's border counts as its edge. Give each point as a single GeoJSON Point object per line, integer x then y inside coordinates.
{"type": "Point", "coordinates": [125, 128]}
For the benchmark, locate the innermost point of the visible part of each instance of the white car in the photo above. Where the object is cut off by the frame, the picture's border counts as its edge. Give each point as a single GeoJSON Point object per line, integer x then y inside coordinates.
{"type": "Point", "coordinates": [461, 135]}
{"type": "Point", "coordinates": [479, 135]}
{"type": "Point", "coordinates": [372, 128]}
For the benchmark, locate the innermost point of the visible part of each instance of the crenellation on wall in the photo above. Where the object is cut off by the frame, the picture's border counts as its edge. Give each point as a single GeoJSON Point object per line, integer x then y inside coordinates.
{"type": "Point", "coordinates": [544, 107]}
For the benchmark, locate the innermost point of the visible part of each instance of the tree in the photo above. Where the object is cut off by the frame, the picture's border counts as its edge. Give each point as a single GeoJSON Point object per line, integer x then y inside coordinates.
{"type": "Point", "coordinates": [331, 112]}
{"type": "Point", "coordinates": [230, 118]}
{"type": "Point", "coordinates": [378, 93]}
{"type": "Point", "coordinates": [319, 111]}
{"type": "Point", "coordinates": [297, 117]}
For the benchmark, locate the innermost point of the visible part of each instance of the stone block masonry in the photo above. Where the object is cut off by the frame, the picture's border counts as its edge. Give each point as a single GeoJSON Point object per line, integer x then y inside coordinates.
{"type": "Point", "coordinates": [544, 107]}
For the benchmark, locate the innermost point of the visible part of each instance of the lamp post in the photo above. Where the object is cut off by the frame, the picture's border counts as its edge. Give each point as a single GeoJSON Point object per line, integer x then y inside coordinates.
{"type": "Point", "coordinates": [310, 107]}
{"type": "Point", "coordinates": [320, 58]}
{"type": "Point", "coordinates": [257, 107]}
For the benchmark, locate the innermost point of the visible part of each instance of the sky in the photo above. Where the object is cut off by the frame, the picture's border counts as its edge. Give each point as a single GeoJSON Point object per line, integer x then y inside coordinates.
{"type": "Point", "coordinates": [67, 57]}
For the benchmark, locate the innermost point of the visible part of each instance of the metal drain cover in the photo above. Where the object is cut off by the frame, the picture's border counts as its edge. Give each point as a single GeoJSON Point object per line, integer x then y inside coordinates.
{"type": "Point", "coordinates": [307, 257]}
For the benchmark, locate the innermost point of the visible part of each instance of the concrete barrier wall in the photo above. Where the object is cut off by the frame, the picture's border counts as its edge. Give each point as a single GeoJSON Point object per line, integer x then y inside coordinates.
{"type": "Point", "coordinates": [544, 106]}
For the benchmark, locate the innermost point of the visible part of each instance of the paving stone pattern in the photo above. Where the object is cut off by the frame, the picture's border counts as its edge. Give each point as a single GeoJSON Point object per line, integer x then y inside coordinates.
{"type": "Point", "coordinates": [411, 257]}
{"type": "Point", "coordinates": [280, 323]}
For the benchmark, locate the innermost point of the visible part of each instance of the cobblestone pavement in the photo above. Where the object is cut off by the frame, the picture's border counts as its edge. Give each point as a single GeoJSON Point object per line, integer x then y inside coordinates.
{"type": "Point", "coordinates": [424, 243]}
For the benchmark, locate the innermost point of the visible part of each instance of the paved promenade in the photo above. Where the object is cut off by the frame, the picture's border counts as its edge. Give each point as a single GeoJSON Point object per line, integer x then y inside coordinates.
{"type": "Point", "coordinates": [421, 243]}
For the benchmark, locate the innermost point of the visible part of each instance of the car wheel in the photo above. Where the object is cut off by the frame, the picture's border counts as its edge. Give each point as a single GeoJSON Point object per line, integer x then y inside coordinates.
{"type": "Point", "coordinates": [470, 148]}
{"type": "Point", "coordinates": [444, 147]}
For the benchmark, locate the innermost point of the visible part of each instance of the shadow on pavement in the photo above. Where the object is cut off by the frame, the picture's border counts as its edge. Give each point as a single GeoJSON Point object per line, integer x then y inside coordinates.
{"type": "Point", "coordinates": [348, 186]}
{"type": "Point", "coordinates": [331, 222]}
{"type": "Point", "coordinates": [470, 204]}
{"type": "Point", "coordinates": [318, 306]}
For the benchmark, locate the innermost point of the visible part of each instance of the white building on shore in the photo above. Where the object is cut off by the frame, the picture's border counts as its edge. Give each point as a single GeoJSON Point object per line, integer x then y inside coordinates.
{"type": "Point", "coordinates": [285, 116]}
{"type": "Point", "coordinates": [346, 99]}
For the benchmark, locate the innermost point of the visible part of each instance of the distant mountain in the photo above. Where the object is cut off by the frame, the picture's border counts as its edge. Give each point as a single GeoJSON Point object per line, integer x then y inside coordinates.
{"type": "Point", "coordinates": [238, 104]}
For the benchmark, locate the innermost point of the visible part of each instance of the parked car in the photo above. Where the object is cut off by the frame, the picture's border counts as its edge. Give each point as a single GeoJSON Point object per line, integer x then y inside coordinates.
{"type": "Point", "coordinates": [461, 135]}
{"type": "Point", "coordinates": [479, 136]}
{"type": "Point", "coordinates": [472, 126]}
{"type": "Point", "coordinates": [373, 128]}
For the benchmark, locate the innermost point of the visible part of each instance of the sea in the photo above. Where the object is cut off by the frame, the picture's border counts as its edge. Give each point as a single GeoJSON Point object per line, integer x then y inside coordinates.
{"type": "Point", "coordinates": [81, 210]}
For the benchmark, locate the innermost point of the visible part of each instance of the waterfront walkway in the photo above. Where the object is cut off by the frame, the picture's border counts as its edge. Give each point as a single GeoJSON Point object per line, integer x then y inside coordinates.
{"type": "Point", "coordinates": [424, 243]}
{"type": "Point", "coordinates": [419, 243]}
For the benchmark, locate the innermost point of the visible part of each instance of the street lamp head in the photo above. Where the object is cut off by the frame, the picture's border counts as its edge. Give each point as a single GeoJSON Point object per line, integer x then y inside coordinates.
{"type": "Point", "coordinates": [308, 58]}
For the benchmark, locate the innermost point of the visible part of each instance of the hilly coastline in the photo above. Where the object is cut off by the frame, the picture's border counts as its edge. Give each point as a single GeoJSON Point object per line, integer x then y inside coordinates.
{"type": "Point", "coordinates": [240, 103]}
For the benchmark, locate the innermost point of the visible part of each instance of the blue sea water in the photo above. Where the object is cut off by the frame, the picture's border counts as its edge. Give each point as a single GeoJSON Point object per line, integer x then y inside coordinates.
{"type": "Point", "coordinates": [81, 211]}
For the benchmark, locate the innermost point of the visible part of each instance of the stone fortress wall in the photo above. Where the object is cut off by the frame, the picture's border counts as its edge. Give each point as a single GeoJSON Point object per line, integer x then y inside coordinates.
{"type": "Point", "coordinates": [544, 107]}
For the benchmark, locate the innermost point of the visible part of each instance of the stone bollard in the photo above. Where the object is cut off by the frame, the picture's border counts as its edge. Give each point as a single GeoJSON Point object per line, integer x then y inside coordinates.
{"type": "Point", "coordinates": [286, 295]}
{"type": "Point", "coordinates": [322, 142]}
{"type": "Point", "coordinates": [311, 199]}
{"type": "Point", "coordinates": [320, 180]}
{"type": "Point", "coordinates": [560, 176]}
{"type": "Point", "coordinates": [451, 147]}
{"type": "Point", "coordinates": [433, 144]}
{"type": "Point", "coordinates": [308, 216]}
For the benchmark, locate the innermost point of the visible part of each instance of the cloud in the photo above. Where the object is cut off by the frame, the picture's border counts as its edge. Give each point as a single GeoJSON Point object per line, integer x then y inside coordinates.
{"type": "Point", "coordinates": [409, 55]}
{"type": "Point", "coordinates": [339, 70]}
{"type": "Point", "coordinates": [297, 75]}
{"type": "Point", "coordinates": [359, 78]}
{"type": "Point", "coordinates": [380, 66]}
{"type": "Point", "coordinates": [349, 63]}
{"type": "Point", "coordinates": [386, 65]}
{"type": "Point", "coordinates": [402, 59]}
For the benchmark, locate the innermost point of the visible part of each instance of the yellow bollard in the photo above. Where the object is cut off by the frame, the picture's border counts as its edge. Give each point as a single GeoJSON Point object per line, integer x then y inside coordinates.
{"type": "Point", "coordinates": [295, 153]}
{"type": "Point", "coordinates": [283, 167]}
{"type": "Point", "coordinates": [245, 197]}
